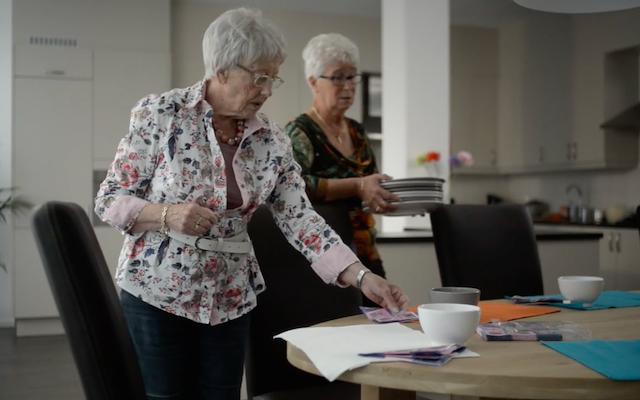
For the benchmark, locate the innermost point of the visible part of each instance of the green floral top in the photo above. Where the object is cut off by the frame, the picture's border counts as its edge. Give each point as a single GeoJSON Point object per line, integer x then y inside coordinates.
{"type": "Point", "coordinates": [321, 161]}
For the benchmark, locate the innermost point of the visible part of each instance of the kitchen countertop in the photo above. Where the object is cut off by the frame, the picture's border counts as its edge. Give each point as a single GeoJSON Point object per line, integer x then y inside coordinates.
{"type": "Point", "coordinates": [621, 225]}
{"type": "Point", "coordinates": [424, 235]}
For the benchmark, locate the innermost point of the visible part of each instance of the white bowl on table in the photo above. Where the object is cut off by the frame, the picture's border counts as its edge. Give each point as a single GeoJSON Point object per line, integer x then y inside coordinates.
{"type": "Point", "coordinates": [581, 289]}
{"type": "Point", "coordinates": [448, 323]}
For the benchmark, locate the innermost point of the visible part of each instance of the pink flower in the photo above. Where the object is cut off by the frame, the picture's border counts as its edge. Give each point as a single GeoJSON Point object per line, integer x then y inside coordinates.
{"type": "Point", "coordinates": [461, 159]}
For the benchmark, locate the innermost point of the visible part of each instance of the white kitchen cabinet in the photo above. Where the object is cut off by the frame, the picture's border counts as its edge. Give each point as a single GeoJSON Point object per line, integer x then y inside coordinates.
{"type": "Point", "coordinates": [620, 259]}
{"type": "Point", "coordinates": [534, 115]}
{"type": "Point", "coordinates": [137, 74]}
{"type": "Point", "coordinates": [474, 97]}
{"type": "Point", "coordinates": [413, 266]}
{"type": "Point", "coordinates": [52, 141]}
{"type": "Point", "coordinates": [566, 257]}
{"type": "Point", "coordinates": [79, 67]}
{"type": "Point", "coordinates": [605, 82]}
{"type": "Point", "coordinates": [560, 78]}
{"type": "Point", "coordinates": [52, 62]}
{"type": "Point", "coordinates": [52, 161]}
{"type": "Point", "coordinates": [33, 297]}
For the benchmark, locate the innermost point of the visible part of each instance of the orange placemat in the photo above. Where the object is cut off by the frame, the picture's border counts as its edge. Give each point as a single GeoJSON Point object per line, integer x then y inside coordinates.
{"type": "Point", "coordinates": [500, 311]}
{"type": "Point", "coordinates": [492, 310]}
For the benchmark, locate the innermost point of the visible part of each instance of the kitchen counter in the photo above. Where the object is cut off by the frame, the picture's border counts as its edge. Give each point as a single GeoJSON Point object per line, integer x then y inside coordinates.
{"type": "Point", "coordinates": [416, 235]}
{"type": "Point", "coordinates": [410, 259]}
{"type": "Point", "coordinates": [621, 225]}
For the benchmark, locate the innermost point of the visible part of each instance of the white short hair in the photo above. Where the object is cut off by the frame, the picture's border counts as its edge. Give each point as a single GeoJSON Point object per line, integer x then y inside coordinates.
{"type": "Point", "coordinates": [240, 37]}
{"type": "Point", "coordinates": [327, 49]}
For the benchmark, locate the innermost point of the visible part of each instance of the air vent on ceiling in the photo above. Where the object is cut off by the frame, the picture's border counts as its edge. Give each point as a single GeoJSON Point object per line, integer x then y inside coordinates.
{"type": "Point", "coordinates": [53, 41]}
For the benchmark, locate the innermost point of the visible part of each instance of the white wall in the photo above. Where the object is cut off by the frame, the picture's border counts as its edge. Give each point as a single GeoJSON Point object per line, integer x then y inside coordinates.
{"type": "Point", "coordinates": [415, 87]}
{"type": "Point", "coordinates": [6, 86]}
{"type": "Point", "coordinates": [190, 19]}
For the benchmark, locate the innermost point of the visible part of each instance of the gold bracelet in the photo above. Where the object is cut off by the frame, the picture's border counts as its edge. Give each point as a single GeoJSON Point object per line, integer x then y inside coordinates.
{"type": "Point", "coordinates": [164, 229]}
{"type": "Point", "coordinates": [361, 186]}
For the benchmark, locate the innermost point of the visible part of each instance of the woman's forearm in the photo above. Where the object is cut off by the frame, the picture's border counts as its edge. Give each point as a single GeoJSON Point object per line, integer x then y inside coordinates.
{"type": "Point", "coordinates": [149, 219]}
{"type": "Point", "coordinates": [343, 188]}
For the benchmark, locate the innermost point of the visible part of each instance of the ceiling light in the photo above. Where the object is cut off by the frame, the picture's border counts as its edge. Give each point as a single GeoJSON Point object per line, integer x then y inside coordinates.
{"type": "Point", "coordinates": [578, 6]}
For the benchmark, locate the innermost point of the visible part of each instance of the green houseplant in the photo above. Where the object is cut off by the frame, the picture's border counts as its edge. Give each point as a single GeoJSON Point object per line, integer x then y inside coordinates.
{"type": "Point", "coordinates": [9, 203]}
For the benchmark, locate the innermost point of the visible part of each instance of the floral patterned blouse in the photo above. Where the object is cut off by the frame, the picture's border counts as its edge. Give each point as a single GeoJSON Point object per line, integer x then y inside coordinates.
{"type": "Point", "coordinates": [321, 161]}
{"type": "Point", "coordinates": [171, 156]}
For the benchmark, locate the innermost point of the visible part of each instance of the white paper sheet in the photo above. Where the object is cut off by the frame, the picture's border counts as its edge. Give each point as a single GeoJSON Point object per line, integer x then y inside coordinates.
{"type": "Point", "coordinates": [335, 350]}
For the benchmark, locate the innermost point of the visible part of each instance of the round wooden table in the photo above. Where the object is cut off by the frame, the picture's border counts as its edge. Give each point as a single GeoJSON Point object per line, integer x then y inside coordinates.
{"type": "Point", "coordinates": [507, 370]}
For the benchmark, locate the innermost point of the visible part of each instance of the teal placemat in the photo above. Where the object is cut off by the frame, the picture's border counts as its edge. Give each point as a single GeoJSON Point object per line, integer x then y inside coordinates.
{"type": "Point", "coordinates": [608, 299]}
{"type": "Point", "coordinates": [618, 360]}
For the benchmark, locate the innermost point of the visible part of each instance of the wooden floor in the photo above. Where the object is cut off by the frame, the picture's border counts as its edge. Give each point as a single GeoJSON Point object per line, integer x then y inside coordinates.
{"type": "Point", "coordinates": [37, 368]}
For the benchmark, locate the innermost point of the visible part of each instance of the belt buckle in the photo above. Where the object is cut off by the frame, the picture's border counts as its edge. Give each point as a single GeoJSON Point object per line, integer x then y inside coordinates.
{"type": "Point", "coordinates": [196, 243]}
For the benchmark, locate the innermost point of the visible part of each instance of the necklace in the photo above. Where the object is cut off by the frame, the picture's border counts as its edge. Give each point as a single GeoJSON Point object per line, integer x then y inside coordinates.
{"type": "Point", "coordinates": [338, 136]}
{"type": "Point", "coordinates": [231, 140]}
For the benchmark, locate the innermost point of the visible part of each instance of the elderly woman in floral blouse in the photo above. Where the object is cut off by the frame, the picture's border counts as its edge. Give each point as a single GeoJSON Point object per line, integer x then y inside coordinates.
{"type": "Point", "coordinates": [333, 150]}
{"type": "Point", "coordinates": [194, 167]}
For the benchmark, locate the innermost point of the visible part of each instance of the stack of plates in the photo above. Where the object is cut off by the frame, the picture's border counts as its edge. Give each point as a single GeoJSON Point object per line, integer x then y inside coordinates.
{"type": "Point", "coordinates": [417, 196]}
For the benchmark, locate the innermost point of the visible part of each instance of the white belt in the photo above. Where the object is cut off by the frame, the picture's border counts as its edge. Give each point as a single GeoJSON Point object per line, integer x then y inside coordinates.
{"type": "Point", "coordinates": [235, 244]}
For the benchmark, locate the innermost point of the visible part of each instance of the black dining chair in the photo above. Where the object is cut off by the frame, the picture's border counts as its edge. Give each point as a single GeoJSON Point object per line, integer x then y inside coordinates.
{"type": "Point", "coordinates": [295, 297]}
{"type": "Point", "coordinates": [638, 218]}
{"type": "Point", "coordinates": [88, 303]}
{"type": "Point", "coordinates": [492, 248]}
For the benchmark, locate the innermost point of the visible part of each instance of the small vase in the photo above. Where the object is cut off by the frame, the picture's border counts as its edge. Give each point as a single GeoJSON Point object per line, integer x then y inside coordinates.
{"type": "Point", "coordinates": [433, 170]}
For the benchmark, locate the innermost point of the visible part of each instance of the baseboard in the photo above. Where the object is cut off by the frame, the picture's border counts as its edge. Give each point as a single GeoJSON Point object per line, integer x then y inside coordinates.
{"type": "Point", "coordinates": [39, 327]}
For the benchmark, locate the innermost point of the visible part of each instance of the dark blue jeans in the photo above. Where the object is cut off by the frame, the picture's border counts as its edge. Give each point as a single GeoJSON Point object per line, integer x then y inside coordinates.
{"type": "Point", "coordinates": [182, 359]}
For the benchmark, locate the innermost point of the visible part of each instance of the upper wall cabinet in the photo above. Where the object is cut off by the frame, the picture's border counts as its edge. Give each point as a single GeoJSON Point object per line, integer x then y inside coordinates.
{"type": "Point", "coordinates": [52, 141]}
{"type": "Point", "coordinates": [601, 95]}
{"type": "Point", "coordinates": [53, 62]}
{"type": "Point", "coordinates": [558, 79]}
{"type": "Point", "coordinates": [474, 96]}
{"type": "Point", "coordinates": [137, 74]}
{"type": "Point", "coordinates": [535, 94]}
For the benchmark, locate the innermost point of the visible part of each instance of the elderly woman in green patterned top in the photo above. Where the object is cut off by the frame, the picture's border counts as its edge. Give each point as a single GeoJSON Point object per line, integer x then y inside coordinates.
{"type": "Point", "coordinates": [333, 150]}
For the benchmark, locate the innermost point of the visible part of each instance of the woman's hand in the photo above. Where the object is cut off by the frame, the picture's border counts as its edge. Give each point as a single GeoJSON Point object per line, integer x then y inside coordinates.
{"type": "Point", "coordinates": [380, 291]}
{"type": "Point", "coordinates": [375, 287]}
{"type": "Point", "coordinates": [190, 218]}
{"type": "Point", "coordinates": [373, 195]}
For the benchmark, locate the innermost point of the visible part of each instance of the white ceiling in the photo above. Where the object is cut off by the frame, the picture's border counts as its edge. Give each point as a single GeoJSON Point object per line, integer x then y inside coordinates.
{"type": "Point", "coordinates": [463, 12]}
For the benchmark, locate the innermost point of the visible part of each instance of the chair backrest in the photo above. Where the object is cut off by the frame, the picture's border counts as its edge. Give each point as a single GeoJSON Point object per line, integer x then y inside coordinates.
{"type": "Point", "coordinates": [295, 297]}
{"type": "Point", "coordinates": [492, 248]}
{"type": "Point", "coordinates": [88, 303]}
{"type": "Point", "coordinates": [638, 218]}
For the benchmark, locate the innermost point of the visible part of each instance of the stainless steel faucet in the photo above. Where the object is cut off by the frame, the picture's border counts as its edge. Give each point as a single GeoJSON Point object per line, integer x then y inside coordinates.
{"type": "Point", "coordinates": [575, 208]}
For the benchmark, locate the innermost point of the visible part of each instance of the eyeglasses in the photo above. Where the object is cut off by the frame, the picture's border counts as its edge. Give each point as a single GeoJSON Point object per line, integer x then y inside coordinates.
{"type": "Point", "coordinates": [263, 80]}
{"type": "Point", "coordinates": [341, 80]}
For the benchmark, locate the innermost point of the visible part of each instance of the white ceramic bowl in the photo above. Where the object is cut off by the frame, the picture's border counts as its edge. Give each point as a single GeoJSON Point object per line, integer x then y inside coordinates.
{"type": "Point", "coordinates": [581, 289]}
{"type": "Point", "coordinates": [447, 323]}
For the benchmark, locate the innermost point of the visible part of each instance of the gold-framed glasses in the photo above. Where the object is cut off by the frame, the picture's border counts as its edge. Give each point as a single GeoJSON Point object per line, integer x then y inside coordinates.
{"type": "Point", "coordinates": [341, 80]}
{"type": "Point", "coordinates": [263, 80]}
